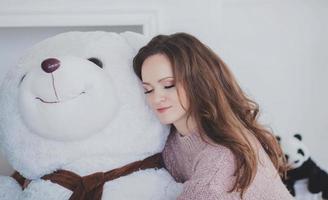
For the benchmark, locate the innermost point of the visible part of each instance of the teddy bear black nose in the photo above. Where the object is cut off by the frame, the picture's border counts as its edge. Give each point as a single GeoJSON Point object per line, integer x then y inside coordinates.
{"type": "Point", "coordinates": [50, 65]}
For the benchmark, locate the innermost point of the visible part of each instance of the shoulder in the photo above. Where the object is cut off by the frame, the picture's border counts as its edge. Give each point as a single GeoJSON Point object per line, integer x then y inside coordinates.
{"type": "Point", "coordinates": [214, 155]}
{"type": "Point", "coordinates": [168, 146]}
{"type": "Point", "coordinates": [170, 160]}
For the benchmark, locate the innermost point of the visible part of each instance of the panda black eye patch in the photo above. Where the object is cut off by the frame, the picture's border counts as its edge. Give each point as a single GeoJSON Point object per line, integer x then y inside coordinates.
{"type": "Point", "coordinates": [300, 151]}
{"type": "Point", "coordinates": [96, 61]}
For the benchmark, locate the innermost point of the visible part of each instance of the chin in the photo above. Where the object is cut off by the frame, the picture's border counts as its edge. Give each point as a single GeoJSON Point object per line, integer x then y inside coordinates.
{"type": "Point", "coordinates": [165, 121]}
{"type": "Point", "coordinates": [171, 118]}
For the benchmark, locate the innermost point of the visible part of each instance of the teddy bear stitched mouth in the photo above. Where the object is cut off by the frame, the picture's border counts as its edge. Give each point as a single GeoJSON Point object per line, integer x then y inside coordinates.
{"type": "Point", "coordinates": [44, 101]}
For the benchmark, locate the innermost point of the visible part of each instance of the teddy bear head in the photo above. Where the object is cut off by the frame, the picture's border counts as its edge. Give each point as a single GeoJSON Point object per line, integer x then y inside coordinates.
{"type": "Point", "coordinates": [295, 151]}
{"type": "Point", "coordinates": [73, 98]}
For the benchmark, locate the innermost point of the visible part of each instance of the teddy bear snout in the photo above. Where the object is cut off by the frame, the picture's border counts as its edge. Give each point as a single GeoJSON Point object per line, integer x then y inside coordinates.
{"type": "Point", "coordinates": [50, 65]}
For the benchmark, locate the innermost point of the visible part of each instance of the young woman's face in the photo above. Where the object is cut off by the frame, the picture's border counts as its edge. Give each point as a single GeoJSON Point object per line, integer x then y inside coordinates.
{"type": "Point", "coordinates": [161, 90]}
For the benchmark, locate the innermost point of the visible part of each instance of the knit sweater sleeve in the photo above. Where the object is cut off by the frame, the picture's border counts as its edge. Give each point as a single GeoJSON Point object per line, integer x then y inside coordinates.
{"type": "Point", "coordinates": [212, 177]}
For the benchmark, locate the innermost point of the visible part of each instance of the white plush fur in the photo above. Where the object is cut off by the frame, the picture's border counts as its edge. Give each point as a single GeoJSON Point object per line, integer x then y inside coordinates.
{"type": "Point", "coordinates": [9, 189]}
{"type": "Point", "coordinates": [101, 120]}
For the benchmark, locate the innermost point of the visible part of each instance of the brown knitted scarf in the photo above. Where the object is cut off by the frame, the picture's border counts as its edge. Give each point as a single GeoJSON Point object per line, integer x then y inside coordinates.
{"type": "Point", "coordinates": [90, 187]}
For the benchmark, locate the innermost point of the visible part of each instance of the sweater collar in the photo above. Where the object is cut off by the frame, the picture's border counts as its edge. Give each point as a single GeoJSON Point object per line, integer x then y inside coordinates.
{"type": "Point", "coordinates": [191, 144]}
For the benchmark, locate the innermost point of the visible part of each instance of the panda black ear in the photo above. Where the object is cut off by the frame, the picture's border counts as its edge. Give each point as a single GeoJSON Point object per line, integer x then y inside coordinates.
{"type": "Point", "coordinates": [298, 136]}
{"type": "Point", "coordinates": [278, 138]}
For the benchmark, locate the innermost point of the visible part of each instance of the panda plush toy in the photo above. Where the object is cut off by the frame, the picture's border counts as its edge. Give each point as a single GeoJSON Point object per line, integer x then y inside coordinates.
{"type": "Point", "coordinates": [304, 179]}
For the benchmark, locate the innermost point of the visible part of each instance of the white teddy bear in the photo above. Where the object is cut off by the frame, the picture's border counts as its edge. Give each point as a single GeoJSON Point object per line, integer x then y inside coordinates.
{"type": "Point", "coordinates": [71, 112]}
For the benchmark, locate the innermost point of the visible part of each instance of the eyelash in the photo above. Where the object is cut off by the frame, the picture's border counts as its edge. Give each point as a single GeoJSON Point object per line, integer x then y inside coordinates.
{"type": "Point", "coordinates": [149, 91]}
{"type": "Point", "coordinates": [166, 87]}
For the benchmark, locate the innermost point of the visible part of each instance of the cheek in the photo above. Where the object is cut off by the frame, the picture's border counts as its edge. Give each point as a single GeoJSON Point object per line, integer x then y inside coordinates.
{"type": "Point", "coordinates": [184, 102]}
{"type": "Point", "coordinates": [150, 101]}
{"type": "Point", "coordinates": [182, 98]}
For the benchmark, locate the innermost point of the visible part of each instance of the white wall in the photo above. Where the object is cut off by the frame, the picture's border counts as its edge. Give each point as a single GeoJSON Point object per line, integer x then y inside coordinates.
{"type": "Point", "coordinates": [276, 48]}
{"type": "Point", "coordinates": [279, 52]}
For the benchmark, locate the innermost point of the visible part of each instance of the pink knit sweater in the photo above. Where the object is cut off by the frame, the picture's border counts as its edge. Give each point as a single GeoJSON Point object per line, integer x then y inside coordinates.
{"type": "Point", "coordinates": [207, 171]}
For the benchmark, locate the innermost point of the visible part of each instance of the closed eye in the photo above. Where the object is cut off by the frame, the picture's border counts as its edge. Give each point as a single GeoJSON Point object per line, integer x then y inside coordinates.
{"type": "Point", "coordinates": [21, 80]}
{"type": "Point", "coordinates": [148, 91]}
{"type": "Point", "coordinates": [166, 87]}
{"type": "Point", "coordinates": [170, 86]}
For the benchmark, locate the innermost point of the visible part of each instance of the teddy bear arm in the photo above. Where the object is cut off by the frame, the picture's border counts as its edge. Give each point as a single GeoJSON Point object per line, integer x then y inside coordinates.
{"type": "Point", "coordinates": [323, 181]}
{"type": "Point", "coordinates": [290, 186]}
{"type": "Point", "coordinates": [316, 180]}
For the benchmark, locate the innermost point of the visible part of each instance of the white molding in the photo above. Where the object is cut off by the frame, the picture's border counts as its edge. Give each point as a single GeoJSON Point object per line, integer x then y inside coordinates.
{"type": "Point", "coordinates": [147, 19]}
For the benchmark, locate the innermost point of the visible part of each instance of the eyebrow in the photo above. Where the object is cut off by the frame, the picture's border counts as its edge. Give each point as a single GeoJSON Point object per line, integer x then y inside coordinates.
{"type": "Point", "coordinates": [145, 83]}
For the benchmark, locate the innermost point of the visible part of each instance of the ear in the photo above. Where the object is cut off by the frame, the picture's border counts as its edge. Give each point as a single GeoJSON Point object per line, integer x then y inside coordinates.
{"type": "Point", "coordinates": [278, 138]}
{"type": "Point", "coordinates": [298, 136]}
{"type": "Point", "coordinates": [135, 40]}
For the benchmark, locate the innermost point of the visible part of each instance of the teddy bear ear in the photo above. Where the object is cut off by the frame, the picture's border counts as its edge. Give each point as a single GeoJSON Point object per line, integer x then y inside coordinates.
{"type": "Point", "coordinates": [278, 138]}
{"type": "Point", "coordinates": [298, 136]}
{"type": "Point", "coordinates": [135, 40]}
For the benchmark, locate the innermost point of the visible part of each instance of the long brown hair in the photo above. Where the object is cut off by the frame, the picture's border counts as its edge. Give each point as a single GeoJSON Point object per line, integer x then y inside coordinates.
{"type": "Point", "coordinates": [220, 108]}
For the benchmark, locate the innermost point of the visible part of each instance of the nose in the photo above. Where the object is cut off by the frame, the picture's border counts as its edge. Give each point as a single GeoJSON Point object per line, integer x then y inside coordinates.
{"type": "Point", "coordinates": [50, 65]}
{"type": "Point", "coordinates": [159, 97]}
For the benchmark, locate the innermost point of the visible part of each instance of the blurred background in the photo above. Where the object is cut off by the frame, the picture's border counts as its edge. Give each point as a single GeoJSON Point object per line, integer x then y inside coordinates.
{"type": "Point", "coordinates": [277, 49]}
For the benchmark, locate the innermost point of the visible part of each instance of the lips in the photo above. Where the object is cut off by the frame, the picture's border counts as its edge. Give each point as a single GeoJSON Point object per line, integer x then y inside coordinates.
{"type": "Point", "coordinates": [50, 102]}
{"type": "Point", "coordinates": [163, 109]}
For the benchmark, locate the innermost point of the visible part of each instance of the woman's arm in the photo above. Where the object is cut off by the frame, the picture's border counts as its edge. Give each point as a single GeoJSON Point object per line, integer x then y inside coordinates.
{"type": "Point", "coordinates": [212, 176]}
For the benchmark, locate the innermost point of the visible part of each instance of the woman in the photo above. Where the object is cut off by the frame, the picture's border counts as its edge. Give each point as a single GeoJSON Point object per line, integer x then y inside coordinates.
{"type": "Point", "coordinates": [216, 147]}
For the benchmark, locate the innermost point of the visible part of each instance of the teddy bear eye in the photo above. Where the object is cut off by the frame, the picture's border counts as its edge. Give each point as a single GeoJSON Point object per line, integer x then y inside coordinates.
{"type": "Point", "coordinates": [21, 80]}
{"type": "Point", "coordinates": [96, 61]}
{"type": "Point", "coordinates": [300, 151]}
